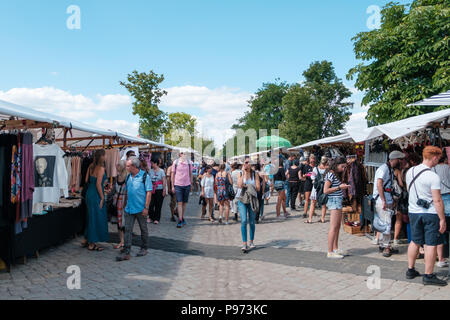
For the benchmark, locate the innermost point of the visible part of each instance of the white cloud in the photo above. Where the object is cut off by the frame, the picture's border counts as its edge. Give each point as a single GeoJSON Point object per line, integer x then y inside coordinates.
{"type": "Point", "coordinates": [204, 98]}
{"type": "Point", "coordinates": [127, 127]}
{"type": "Point", "coordinates": [221, 106]}
{"type": "Point", "coordinates": [216, 110]}
{"type": "Point", "coordinates": [64, 103]}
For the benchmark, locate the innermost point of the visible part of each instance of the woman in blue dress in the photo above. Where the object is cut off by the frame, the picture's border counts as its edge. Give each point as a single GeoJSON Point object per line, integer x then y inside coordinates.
{"type": "Point", "coordinates": [97, 219]}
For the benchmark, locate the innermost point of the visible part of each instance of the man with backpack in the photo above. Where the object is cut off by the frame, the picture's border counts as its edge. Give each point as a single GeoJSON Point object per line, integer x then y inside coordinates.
{"type": "Point", "coordinates": [383, 195]}
{"type": "Point", "coordinates": [426, 215]}
{"type": "Point", "coordinates": [182, 180]}
{"type": "Point", "coordinates": [138, 194]}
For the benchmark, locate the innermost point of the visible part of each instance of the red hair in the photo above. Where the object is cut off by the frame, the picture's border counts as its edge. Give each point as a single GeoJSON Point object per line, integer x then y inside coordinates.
{"type": "Point", "coordinates": [430, 152]}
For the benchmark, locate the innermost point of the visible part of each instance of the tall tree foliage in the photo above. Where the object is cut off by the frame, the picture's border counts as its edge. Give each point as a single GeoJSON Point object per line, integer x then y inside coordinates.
{"type": "Point", "coordinates": [317, 108]}
{"type": "Point", "coordinates": [404, 61]}
{"type": "Point", "coordinates": [265, 107]}
{"type": "Point", "coordinates": [144, 88]}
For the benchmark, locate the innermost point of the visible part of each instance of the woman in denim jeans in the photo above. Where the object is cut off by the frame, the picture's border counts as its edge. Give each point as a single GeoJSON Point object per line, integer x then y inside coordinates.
{"type": "Point", "coordinates": [247, 215]}
{"type": "Point", "coordinates": [333, 188]}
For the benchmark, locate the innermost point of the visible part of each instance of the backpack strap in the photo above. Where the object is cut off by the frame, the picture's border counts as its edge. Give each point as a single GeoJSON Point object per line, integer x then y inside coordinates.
{"type": "Point", "coordinates": [415, 178]}
{"type": "Point", "coordinates": [144, 178]}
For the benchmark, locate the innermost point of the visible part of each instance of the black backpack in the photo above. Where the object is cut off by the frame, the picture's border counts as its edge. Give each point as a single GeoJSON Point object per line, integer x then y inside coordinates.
{"type": "Point", "coordinates": [319, 182]}
{"type": "Point", "coordinates": [144, 177]}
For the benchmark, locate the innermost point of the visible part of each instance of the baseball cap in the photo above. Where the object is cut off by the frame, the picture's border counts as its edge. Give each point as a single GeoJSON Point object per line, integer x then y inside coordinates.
{"type": "Point", "coordinates": [396, 155]}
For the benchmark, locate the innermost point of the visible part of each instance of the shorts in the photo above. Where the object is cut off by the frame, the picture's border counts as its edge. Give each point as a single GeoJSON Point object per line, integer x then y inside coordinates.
{"type": "Point", "coordinates": [425, 229]}
{"type": "Point", "coordinates": [182, 193]}
{"type": "Point", "coordinates": [301, 187]}
{"type": "Point", "coordinates": [334, 203]}
{"type": "Point", "coordinates": [446, 201]}
{"type": "Point", "coordinates": [279, 185]}
{"type": "Point", "coordinates": [308, 185]}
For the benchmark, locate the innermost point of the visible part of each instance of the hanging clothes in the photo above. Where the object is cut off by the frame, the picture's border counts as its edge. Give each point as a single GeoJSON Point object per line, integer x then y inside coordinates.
{"type": "Point", "coordinates": [27, 176]}
{"type": "Point", "coordinates": [7, 210]}
{"type": "Point", "coordinates": [50, 174]}
{"type": "Point", "coordinates": [112, 159]}
{"type": "Point", "coordinates": [75, 174]}
{"type": "Point", "coordinates": [68, 163]}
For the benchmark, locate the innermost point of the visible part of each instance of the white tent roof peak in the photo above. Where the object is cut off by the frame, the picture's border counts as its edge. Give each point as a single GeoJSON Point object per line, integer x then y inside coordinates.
{"type": "Point", "coordinates": [442, 99]}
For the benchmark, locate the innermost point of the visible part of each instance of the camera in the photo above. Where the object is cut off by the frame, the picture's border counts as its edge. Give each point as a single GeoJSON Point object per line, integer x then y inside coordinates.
{"type": "Point", "coordinates": [423, 203]}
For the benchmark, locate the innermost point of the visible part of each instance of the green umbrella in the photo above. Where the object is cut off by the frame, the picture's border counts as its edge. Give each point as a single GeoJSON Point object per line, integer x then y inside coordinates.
{"type": "Point", "coordinates": [273, 142]}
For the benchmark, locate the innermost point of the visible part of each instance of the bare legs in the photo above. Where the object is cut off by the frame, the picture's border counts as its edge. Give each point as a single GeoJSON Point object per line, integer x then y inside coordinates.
{"type": "Point", "coordinates": [430, 256]}
{"type": "Point", "coordinates": [335, 226]}
{"type": "Point", "coordinates": [281, 202]}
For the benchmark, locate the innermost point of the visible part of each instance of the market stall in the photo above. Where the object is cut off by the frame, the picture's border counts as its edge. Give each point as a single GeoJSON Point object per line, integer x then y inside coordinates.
{"type": "Point", "coordinates": [43, 159]}
{"type": "Point", "coordinates": [371, 147]}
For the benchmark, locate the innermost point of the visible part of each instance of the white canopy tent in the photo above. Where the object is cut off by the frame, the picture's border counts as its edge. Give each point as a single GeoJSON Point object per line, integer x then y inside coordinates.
{"type": "Point", "coordinates": [68, 133]}
{"type": "Point", "coordinates": [400, 128]}
{"type": "Point", "coordinates": [442, 99]}
{"type": "Point", "coordinates": [342, 138]}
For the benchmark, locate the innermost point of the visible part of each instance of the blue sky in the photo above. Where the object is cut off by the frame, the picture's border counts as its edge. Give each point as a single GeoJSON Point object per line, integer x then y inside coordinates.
{"type": "Point", "coordinates": [214, 54]}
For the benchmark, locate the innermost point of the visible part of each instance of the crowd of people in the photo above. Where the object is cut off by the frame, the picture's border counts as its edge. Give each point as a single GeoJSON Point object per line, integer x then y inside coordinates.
{"type": "Point", "coordinates": [414, 190]}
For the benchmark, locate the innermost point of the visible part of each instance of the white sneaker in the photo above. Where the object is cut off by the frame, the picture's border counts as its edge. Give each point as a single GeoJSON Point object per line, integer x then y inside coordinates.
{"type": "Point", "coordinates": [442, 264]}
{"type": "Point", "coordinates": [396, 243]}
{"type": "Point", "coordinates": [244, 249]}
{"type": "Point", "coordinates": [340, 252]}
{"type": "Point", "coordinates": [261, 218]}
{"type": "Point", "coordinates": [226, 223]}
{"type": "Point", "coordinates": [375, 241]}
{"type": "Point", "coordinates": [334, 255]}
{"type": "Point", "coordinates": [252, 246]}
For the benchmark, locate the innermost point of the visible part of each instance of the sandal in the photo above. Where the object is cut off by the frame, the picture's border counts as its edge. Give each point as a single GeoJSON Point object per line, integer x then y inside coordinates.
{"type": "Point", "coordinates": [96, 248]}
{"type": "Point", "coordinates": [119, 246]}
{"type": "Point", "coordinates": [308, 222]}
{"type": "Point", "coordinates": [84, 245]}
{"type": "Point", "coordinates": [322, 221]}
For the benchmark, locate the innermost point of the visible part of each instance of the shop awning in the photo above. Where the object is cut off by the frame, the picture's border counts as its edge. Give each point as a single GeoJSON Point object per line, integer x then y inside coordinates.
{"type": "Point", "coordinates": [342, 138]}
{"type": "Point", "coordinates": [400, 128]}
{"type": "Point", "coordinates": [442, 99]}
{"type": "Point", "coordinates": [78, 134]}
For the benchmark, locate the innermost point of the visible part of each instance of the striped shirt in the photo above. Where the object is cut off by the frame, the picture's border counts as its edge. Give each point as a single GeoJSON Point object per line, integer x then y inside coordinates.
{"type": "Point", "coordinates": [335, 182]}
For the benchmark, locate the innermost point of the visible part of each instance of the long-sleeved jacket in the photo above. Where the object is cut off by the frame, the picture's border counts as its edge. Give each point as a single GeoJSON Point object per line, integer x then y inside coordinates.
{"type": "Point", "coordinates": [249, 195]}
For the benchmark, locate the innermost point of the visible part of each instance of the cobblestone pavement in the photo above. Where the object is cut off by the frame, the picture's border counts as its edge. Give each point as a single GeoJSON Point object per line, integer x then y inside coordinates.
{"type": "Point", "coordinates": [203, 261]}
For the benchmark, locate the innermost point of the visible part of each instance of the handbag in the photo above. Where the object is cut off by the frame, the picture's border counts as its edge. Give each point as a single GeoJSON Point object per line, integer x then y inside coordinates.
{"type": "Point", "coordinates": [322, 199]}
{"type": "Point", "coordinates": [229, 189]}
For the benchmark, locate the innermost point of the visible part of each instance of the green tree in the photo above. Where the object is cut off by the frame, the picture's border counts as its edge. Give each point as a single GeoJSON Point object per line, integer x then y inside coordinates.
{"type": "Point", "coordinates": [179, 123]}
{"type": "Point", "coordinates": [406, 60]}
{"type": "Point", "coordinates": [317, 108]}
{"type": "Point", "coordinates": [265, 107]}
{"type": "Point", "coordinates": [144, 88]}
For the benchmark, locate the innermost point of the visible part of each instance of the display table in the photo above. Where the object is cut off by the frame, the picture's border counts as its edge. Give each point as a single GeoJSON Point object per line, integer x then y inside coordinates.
{"type": "Point", "coordinates": [43, 232]}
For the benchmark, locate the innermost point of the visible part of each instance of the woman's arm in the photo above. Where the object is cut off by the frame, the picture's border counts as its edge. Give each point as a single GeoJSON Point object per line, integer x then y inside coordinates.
{"type": "Point", "coordinates": [164, 184]}
{"type": "Point", "coordinates": [100, 175]}
{"type": "Point", "coordinates": [327, 187]}
{"type": "Point", "coordinates": [398, 174]}
{"type": "Point", "coordinates": [241, 180]}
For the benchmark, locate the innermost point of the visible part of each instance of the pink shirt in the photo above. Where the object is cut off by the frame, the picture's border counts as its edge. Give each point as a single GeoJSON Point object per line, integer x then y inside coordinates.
{"type": "Point", "coordinates": [182, 173]}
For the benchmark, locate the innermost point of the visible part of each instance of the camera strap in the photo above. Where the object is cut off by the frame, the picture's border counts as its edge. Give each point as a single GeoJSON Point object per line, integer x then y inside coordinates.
{"type": "Point", "coordinates": [414, 180]}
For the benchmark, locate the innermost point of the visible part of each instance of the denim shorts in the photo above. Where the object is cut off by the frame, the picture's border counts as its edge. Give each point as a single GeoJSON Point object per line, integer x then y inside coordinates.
{"type": "Point", "coordinates": [446, 201]}
{"type": "Point", "coordinates": [182, 193]}
{"type": "Point", "coordinates": [425, 229]}
{"type": "Point", "coordinates": [334, 203]}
